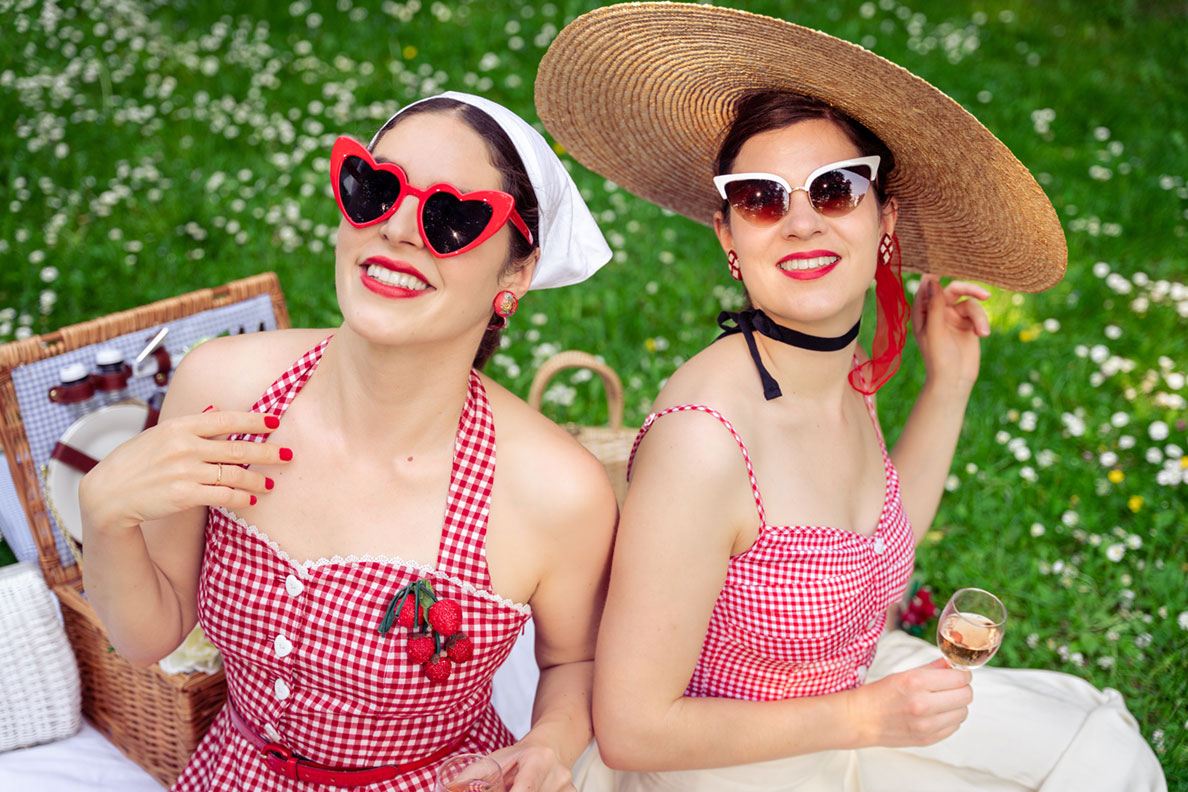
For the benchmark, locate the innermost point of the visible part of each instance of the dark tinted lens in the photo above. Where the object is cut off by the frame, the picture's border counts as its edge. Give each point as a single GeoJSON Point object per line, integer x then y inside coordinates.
{"type": "Point", "coordinates": [761, 201]}
{"type": "Point", "coordinates": [451, 224]}
{"type": "Point", "coordinates": [840, 191]}
{"type": "Point", "coordinates": [366, 193]}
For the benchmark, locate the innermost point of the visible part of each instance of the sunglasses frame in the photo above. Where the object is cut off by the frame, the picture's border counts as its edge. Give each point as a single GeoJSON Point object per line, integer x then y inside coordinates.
{"type": "Point", "coordinates": [872, 162]}
{"type": "Point", "coordinates": [503, 205]}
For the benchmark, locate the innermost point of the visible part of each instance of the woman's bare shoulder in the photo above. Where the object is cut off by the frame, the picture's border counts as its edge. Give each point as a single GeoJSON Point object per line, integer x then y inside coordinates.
{"type": "Point", "coordinates": [231, 372]}
{"type": "Point", "coordinates": [712, 378]}
{"type": "Point", "coordinates": [691, 445]}
{"type": "Point", "coordinates": [547, 470]}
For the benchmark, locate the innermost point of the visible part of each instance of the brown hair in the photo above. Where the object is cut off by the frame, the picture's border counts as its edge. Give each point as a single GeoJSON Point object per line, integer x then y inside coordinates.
{"type": "Point", "coordinates": [764, 111]}
{"type": "Point", "coordinates": [506, 160]}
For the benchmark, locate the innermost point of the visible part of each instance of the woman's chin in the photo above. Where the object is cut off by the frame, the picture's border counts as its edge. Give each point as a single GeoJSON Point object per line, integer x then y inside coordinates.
{"type": "Point", "coordinates": [815, 318]}
{"type": "Point", "coordinates": [381, 328]}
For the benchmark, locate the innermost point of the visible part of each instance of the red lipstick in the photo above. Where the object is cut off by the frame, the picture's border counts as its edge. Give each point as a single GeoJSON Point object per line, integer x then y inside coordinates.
{"type": "Point", "coordinates": [818, 269]}
{"type": "Point", "coordinates": [412, 284]}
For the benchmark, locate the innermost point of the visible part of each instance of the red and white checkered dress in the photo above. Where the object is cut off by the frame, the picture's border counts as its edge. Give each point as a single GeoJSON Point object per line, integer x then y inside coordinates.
{"type": "Point", "coordinates": [800, 612]}
{"type": "Point", "coordinates": [305, 663]}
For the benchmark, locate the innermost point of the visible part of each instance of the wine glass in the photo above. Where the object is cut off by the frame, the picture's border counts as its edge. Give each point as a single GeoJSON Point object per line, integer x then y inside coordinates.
{"type": "Point", "coordinates": [469, 772]}
{"type": "Point", "coordinates": [970, 628]}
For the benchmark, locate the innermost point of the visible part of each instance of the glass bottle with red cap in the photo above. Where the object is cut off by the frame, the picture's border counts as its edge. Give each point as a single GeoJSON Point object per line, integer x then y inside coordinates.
{"type": "Point", "coordinates": [111, 376]}
{"type": "Point", "coordinates": [74, 390]}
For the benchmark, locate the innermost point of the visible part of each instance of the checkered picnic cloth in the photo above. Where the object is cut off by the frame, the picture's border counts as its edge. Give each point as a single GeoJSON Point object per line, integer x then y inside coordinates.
{"type": "Point", "coordinates": [305, 663]}
{"type": "Point", "coordinates": [800, 612]}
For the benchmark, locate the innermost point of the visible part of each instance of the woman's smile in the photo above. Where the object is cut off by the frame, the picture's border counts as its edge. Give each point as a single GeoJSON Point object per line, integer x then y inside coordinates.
{"type": "Point", "coordinates": [393, 279]}
{"type": "Point", "coordinates": [808, 266]}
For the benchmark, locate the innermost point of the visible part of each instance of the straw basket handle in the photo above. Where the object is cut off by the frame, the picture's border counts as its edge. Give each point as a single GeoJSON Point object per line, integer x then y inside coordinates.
{"type": "Point", "coordinates": [574, 358]}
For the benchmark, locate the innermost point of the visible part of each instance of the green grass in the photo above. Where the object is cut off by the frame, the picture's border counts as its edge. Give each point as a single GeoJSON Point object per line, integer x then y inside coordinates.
{"type": "Point", "coordinates": [116, 132]}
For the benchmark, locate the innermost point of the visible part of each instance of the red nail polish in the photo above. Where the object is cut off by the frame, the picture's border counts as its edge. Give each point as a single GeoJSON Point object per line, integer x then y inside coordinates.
{"type": "Point", "coordinates": [209, 407]}
{"type": "Point", "coordinates": [271, 421]}
{"type": "Point", "coordinates": [286, 454]}
{"type": "Point", "coordinates": [268, 483]}
{"type": "Point", "coordinates": [253, 500]}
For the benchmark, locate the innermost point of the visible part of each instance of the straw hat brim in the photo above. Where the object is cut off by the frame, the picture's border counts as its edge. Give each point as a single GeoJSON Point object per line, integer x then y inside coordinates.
{"type": "Point", "coordinates": [642, 93]}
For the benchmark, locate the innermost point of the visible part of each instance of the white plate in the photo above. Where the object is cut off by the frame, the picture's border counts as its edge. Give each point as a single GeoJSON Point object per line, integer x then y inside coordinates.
{"type": "Point", "coordinates": [96, 435]}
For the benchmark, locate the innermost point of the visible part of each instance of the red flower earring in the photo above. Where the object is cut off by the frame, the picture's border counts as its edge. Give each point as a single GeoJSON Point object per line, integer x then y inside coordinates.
{"type": "Point", "coordinates": [504, 305]}
{"type": "Point", "coordinates": [735, 270]}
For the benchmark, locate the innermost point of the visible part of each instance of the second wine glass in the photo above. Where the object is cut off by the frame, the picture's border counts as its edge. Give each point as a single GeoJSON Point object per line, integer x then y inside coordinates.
{"type": "Point", "coordinates": [469, 773]}
{"type": "Point", "coordinates": [970, 628]}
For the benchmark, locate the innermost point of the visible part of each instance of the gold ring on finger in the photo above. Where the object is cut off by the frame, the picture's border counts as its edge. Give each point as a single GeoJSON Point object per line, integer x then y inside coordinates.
{"type": "Point", "coordinates": [219, 476]}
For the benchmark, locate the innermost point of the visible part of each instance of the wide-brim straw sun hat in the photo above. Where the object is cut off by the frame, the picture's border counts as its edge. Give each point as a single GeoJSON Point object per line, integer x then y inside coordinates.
{"type": "Point", "coordinates": [643, 93]}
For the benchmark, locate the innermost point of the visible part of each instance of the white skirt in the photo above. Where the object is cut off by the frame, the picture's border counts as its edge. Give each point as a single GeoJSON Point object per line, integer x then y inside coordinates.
{"type": "Point", "coordinates": [1026, 730]}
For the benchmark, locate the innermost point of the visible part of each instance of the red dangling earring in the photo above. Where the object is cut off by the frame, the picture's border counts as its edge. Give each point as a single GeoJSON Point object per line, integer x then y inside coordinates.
{"type": "Point", "coordinates": [891, 323]}
{"type": "Point", "coordinates": [732, 260]}
{"type": "Point", "coordinates": [504, 305]}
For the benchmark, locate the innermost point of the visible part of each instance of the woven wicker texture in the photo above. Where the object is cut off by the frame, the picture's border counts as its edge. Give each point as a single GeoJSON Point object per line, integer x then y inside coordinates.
{"type": "Point", "coordinates": [39, 688]}
{"type": "Point", "coordinates": [156, 719]}
{"type": "Point", "coordinates": [642, 93]}
{"type": "Point", "coordinates": [611, 444]}
{"type": "Point", "coordinates": [14, 434]}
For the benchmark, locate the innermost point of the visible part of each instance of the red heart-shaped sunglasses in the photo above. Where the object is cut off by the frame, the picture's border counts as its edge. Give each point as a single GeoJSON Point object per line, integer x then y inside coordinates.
{"type": "Point", "coordinates": [450, 222]}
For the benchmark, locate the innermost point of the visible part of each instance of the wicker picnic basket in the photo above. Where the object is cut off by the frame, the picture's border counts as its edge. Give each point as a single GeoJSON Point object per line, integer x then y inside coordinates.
{"type": "Point", "coordinates": [610, 443]}
{"type": "Point", "coordinates": [154, 718]}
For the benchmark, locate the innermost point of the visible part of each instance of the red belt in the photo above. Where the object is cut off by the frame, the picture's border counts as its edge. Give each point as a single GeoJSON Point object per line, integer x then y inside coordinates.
{"type": "Point", "coordinates": [283, 762]}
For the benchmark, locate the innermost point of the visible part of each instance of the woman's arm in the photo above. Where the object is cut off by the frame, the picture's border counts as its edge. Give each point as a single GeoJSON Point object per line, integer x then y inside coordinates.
{"type": "Point", "coordinates": [573, 513]}
{"type": "Point", "coordinates": [144, 509]}
{"type": "Point", "coordinates": [949, 324]}
{"type": "Point", "coordinates": [690, 499]}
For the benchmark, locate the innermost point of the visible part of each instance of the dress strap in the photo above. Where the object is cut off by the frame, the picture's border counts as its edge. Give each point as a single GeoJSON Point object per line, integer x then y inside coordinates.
{"type": "Point", "coordinates": [281, 393]}
{"type": "Point", "coordinates": [463, 550]}
{"type": "Point", "coordinates": [874, 419]}
{"type": "Point", "coordinates": [721, 419]}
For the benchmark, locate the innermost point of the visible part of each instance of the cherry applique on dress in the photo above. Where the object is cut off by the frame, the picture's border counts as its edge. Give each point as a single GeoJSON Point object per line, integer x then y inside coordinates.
{"type": "Point", "coordinates": [436, 640]}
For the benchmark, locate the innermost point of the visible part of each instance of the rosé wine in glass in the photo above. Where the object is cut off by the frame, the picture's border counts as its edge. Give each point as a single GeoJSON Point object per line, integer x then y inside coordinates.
{"type": "Point", "coordinates": [970, 628]}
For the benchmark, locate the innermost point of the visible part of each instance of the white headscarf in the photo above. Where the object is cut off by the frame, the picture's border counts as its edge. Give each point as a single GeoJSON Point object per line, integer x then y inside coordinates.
{"type": "Point", "coordinates": [571, 246]}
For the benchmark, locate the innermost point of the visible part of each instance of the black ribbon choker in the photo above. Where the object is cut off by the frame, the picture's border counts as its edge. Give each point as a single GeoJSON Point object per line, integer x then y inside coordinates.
{"type": "Point", "coordinates": [752, 319]}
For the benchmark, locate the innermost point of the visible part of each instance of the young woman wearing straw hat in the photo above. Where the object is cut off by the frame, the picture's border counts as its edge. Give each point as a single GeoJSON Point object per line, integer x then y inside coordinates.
{"type": "Point", "coordinates": [371, 662]}
{"type": "Point", "coordinates": [767, 530]}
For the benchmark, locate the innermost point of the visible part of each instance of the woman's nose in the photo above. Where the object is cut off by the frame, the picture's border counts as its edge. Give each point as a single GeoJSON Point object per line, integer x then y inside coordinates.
{"type": "Point", "coordinates": [402, 226]}
{"type": "Point", "coordinates": [802, 220]}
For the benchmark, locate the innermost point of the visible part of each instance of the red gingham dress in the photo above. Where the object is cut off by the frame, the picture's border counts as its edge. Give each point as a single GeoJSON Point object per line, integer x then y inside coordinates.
{"type": "Point", "coordinates": [305, 663]}
{"type": "Point", "coordinates": [800, 612]}
{"type": "Point", "coordinates": [799, 615]}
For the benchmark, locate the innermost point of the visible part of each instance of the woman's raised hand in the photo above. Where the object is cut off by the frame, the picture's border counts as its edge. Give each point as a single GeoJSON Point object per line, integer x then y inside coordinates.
{"type": "Point", "coordinates": [180, 464]}
{"type": "Point", "coordinates": [949, 323]}
{"type": "Point", "coordinates": [920, 706]}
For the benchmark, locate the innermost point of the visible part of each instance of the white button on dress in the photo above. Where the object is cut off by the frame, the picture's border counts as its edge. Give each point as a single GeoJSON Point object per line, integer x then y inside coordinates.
{"type": "Point", "coordinates": [294, 586]}
{"type": "Point", "coordinates": [879, 545]}
{"type": "Point", "coordinates": [282, 646]}
{"type": "Point", "coordinates": [282, 689]}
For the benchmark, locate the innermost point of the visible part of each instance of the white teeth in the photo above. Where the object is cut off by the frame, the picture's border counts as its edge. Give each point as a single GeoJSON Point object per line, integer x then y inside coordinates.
{"type": "Point", "coordinates": [400, 279]}
{"type": "Point", "coordinates": [807, 264]}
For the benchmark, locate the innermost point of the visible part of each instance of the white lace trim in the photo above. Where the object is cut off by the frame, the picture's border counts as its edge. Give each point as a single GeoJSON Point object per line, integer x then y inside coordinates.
{"type": "Point", "coordinates": [304, 569]}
